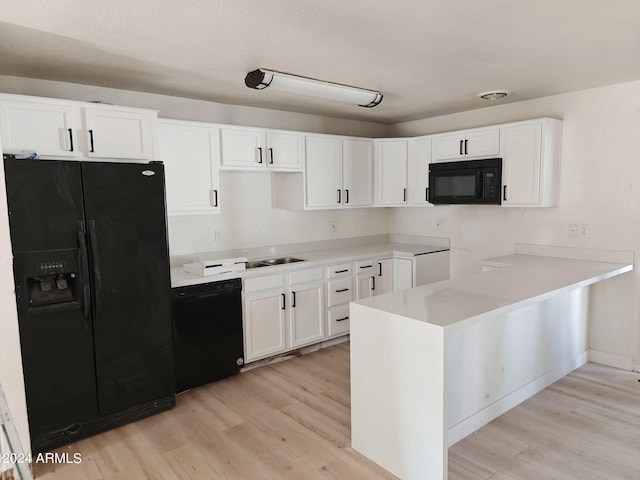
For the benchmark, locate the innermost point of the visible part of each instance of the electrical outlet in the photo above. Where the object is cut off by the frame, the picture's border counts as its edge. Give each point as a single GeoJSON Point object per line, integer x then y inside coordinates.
{"type": "Point", "coordinates": [573, 230]}
{"type": "Point", "coordinates": [218, 236]}
{"type": "Point", "coordinates": [585, 230]}
{"type": "Point", "coordinates": [332, 227]}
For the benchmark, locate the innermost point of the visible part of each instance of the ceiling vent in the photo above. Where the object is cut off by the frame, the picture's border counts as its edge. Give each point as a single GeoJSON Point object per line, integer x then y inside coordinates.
{"type": "Point", "coordinates": [494, 94]}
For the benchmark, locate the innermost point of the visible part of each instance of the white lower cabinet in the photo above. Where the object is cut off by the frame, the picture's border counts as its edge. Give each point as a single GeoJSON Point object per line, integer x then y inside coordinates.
{"type": "Point", "coordinates": [340, 291]}
{"type": "Point", "coordinates": [282, 312]}
{"type": "Point", "coordinates": [264, 324]}
{"type": "Point", "coordinates": [365, 279]}
{"type": "Point", "coordinates": [383, 276]}
{"type": "Point", "coordinates": [402, 274]}
{"type": "Point", "coordinates": [305, 314]}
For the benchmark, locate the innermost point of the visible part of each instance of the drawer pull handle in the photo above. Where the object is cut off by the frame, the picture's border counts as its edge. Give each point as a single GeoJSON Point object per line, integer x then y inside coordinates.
{"type": "Point", "coordinates": [342, 290]}
{"type": "Point", "coordinates": [342, 319]}
{"type": "Point", "coordinates": [341, 271]}
{"type": "Point", "coordinates": [366, 266]}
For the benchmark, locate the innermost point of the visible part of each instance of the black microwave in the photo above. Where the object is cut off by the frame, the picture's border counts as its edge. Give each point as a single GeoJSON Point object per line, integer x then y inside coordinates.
{"type": "Point", "coordinates": [466, 182]}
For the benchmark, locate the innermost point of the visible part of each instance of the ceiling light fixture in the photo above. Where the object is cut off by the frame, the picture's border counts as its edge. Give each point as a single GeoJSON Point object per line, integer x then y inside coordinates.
{"type": "Point", "coordinates": [261, 79]}
{"type": "Point", "coordinates": [494, 94]}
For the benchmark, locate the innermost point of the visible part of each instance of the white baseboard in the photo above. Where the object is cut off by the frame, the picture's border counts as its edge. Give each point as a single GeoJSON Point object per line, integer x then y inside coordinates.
{"type": "Point", "coordinates": [506, 403]}
{"type": "Point", "coordinates": [611, 360]}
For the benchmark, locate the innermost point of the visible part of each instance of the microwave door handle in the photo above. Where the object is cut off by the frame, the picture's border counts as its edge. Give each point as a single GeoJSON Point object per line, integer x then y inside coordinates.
{"type": "Point", "coordinates": [479, 185]}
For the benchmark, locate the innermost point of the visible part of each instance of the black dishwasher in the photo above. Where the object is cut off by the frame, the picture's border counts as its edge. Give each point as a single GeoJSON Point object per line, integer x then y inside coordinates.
{"type": "Point", "coordinates": [208, 322]}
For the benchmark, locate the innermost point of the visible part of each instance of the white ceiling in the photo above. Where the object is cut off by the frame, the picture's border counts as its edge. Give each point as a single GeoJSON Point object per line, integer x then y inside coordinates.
{"type": "Point", "coordinates": [428, 57]}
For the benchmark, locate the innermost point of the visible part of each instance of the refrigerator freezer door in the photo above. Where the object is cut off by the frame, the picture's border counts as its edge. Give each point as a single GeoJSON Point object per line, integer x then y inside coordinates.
{"type": "Point", "coordinates": [126, 223]}
{"type": "Point", "coordinates": [56, 337]}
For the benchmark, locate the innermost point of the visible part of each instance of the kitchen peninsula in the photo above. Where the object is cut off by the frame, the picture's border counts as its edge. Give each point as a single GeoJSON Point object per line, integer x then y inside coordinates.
{"type": "Point", "coordinates": [432, 364]}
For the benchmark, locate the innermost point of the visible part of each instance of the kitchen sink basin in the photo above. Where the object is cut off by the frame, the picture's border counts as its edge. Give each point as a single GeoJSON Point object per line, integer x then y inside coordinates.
{"type": "Point", "coordinates": [280, 261]}
{"type": "Point", "coordinates": [273, 261]}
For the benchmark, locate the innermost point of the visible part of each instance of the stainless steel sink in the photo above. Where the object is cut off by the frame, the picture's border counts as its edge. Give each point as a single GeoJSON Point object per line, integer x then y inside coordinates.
{"type": "Point", "coordinates": [280, 261]}
{"type": "Point", "coordinates": [273, 261]}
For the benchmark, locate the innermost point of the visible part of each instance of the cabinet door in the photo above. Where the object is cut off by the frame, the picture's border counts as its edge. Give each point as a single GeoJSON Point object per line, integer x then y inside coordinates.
{"type": "Point", "coordinates": [338, 321]}
{"type": "Point", "coordinates": [323, 174]}
{"type": "Point", "coordinates": [113, 133]}
{"type": "Point", "coordinates": [391, 172]}
{"type": "Point", "coordinates": [47, 129]}
{"type": "Point", "coordinates": [357, 160]}
{"type": "Point", "coordinates": [285, 151]}
{"type": "Point", "coordinates": [192, 181]}
{"type": "Point", "coordinates": [521, 164]}
{"type": "Point", "coordinates": [402, 274]}
{"type": "Point", "coordinates": [242, 149]}
{"type": "Point", "coordinates": [383, 276]}
{"type": "Point", "coordinates": [305, 315]}
{"type": "Point", "coordinates": [449, 146]}
{"type": "Point", "coordinates": [365, 285]}
{"type": "Point", "coordinates": [483, 142]}
{"type": "Point", "coordinates": [418, 178]}
{"type": "Point", "coordinates": [264, 324]}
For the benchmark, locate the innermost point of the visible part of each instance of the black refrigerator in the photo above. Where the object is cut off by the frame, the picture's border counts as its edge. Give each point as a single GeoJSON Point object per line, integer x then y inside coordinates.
{"type": "Point", "coordinates": [91, 269]}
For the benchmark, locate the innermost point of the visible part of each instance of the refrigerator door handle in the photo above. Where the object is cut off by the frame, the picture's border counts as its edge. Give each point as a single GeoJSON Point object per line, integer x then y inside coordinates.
{"type": "Point", "coordinates": [97, 278]}
{"type": "Point", "coordinates": [84, 266]}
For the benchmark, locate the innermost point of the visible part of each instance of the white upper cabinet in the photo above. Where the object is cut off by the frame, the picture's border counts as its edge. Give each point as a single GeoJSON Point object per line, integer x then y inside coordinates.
{"type": "Point", "coordinates": [479, 142]}
{"type": "Point", "coordinates": [391, 160]}
{"type": "Point", "coordinates": [357, 169]}
{"type": "Point", "coordinates": [49, 129]}
{"type": "Point", "coordinates": [66, 129]}
{"type": "Point", "coordinates": [260, 150]}
{"type": "Point", "coordinates": [338, 173]}
{"type": "Point", "coordinates": [285, 151]}
{"type": "Point", "coordinates": [323, 172]}
{"type": "Point", "coordinates": [418, 177]}
{"type": "Point", "coordinates": [530, 164]}
{"type": "Point", "coordinates": [113, 132]}
{"type": "Point", "coordinates": [188, 150]}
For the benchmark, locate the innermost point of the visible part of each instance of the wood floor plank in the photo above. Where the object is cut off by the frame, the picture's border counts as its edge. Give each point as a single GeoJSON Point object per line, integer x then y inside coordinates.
{"type": "Point", "coordinates": [291, 420]}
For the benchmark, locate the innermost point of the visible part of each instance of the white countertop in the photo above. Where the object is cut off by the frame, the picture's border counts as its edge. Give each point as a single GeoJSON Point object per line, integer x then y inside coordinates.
{"type": "Point", "coordinates": [312, 258]}
{"type": "Point", "coordinates": [523, 279]}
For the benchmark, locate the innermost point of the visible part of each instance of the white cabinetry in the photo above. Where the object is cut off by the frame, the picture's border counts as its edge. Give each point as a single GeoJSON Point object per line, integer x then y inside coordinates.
{"type": "Point", "coordinates": [383, 276]}
{"type": "Point", "coordinates": [391, 157]}
{"type": "Point", "coordinates": [479, 142]}
{"type": "Point", "coordinates": [66, 129]}
{"type": "Point", "coordinates": [338, 173]}
{"type": "Point", "coordinates": [260, 150]}
{"type": "Point", "coordinates": [306, 324]}
{"type": "Point", "coordinates": [48, 128]}
{"type": "Point", "coordinates": [323, 172]}
{"type": "Point", "coordinates": [188, 150]}
{"type": "Point", "coordinates": [357, 170]}
{"type": "Point", "coordinates": [365, 278]}
{"type": "Point", "coordinates": [264, 315]}
{"type": "Point", "coordinates": [340, 291]}
{"type": "Point", "coordinates": [282, 312]}
{"type": "Point", "coordinates": [530, 169]}
{"type": "Point", "coordinates": [418, 170]}
{"type": "Point", "coordinates": [114, 132]}
{"type": "Point", "coordinates": [402, 273]}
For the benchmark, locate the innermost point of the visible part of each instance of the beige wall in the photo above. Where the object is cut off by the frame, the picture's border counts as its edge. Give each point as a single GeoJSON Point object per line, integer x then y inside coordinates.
{"type": "Point", "coordinates": [600, 186]}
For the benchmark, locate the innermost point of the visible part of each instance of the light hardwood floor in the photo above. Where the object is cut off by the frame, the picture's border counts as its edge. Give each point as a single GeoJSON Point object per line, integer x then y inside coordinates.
{"type": "Point", "coordinates": [290, 420]}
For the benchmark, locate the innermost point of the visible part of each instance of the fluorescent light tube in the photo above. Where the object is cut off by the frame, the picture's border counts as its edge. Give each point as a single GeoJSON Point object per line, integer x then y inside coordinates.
{"type": "Point", "coordinates": [261, 79]}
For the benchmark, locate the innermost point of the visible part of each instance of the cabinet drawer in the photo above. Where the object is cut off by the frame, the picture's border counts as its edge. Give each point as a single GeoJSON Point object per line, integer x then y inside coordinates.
{"type": "Point", "coordinates": [338, 321]}
{"type": "Point", "coordinates": [304, 276]}
{"type": "Point", "coordinates": [268, 282]}
{"type": "Point", "coordinates": [365, 266]}
{"type": "Point", "coordinates": [339, 270]}
{"type": "Point", "coordinates": [339, 291]}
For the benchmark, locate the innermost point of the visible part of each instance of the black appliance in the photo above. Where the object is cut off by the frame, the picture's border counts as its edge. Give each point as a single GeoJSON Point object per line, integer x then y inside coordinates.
{"type": "Point", "coordinates": [93, 290]}
{"type": "Point", "coordinates": [466, 182]}
{"type": "Point", "coordinates": [209, 340]}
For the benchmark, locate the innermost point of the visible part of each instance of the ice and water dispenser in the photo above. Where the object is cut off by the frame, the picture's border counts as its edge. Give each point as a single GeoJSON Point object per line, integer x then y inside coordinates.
{"type": "Point", "coordinates": [49, 278]}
